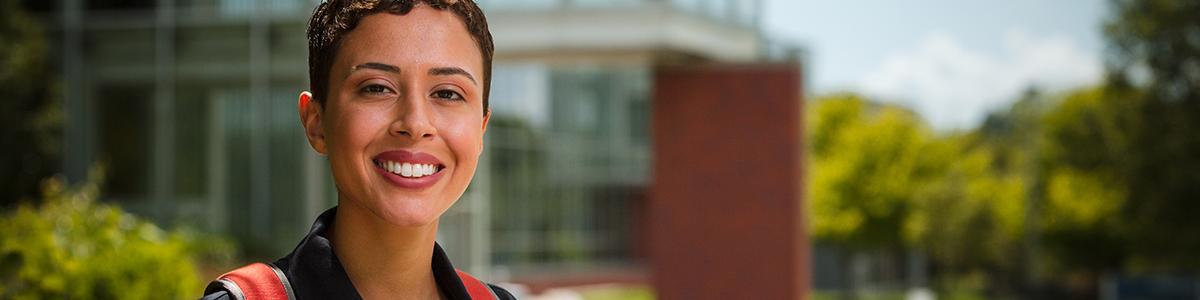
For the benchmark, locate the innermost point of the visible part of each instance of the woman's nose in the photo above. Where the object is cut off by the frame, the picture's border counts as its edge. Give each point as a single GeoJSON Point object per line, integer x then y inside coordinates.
{"type": "Point", "coordinates": [413, 119]}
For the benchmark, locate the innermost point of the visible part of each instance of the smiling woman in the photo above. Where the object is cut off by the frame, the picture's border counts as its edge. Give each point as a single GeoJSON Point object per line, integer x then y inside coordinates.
{"type": "Point", "coordinates": [397, 108]}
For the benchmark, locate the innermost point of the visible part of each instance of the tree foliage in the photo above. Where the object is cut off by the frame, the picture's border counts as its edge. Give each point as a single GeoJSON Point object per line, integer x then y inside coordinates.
{"type": "Point", "coordinates": [1093, 180]}
{"type": "Point", "coordinates": [880, 179]}
{"type": "Point", "coordinates": [1152, 109]}
{"type": "Point", "coordinates": [30, 119]}
{"type": "Point", "coordinates": [866, 166]}
{"type": "Point", "coordinates": [972, 217]}
{"type": "Point", "coordinates": [71, 247]}
{"type": "Point", "coordinates": [1088, 136]}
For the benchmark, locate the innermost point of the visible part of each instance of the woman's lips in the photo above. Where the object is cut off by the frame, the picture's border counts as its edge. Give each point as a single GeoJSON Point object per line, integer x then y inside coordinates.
{"type": "Point", "coordinates": [413, 170]}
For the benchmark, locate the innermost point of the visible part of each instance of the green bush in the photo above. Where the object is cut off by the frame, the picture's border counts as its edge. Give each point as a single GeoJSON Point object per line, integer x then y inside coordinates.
{"type": "Point", "coordinates": [72, 247]}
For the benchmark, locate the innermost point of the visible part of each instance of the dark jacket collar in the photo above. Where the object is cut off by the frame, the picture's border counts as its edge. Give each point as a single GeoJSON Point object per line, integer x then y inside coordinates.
{"type": "Point", "coordinates": [315, 272]}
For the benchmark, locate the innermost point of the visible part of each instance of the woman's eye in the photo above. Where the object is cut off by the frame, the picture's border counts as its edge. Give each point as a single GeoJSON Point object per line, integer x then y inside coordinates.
{"type": "Point", "coordinates": [447, 95]}
{"type": "Point", "coordinates": [374, 89]}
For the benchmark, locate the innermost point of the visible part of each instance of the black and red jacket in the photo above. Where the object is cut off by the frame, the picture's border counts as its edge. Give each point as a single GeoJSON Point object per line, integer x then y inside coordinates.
{"type": "Point", "coordinates": [312, 271]}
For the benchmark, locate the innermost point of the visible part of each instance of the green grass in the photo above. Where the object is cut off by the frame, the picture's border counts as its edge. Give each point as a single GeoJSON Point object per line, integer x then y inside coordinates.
{"type": "Point", "coordinates": [835, 295]}
{"type": "Point", "coordinates": [618, 292]}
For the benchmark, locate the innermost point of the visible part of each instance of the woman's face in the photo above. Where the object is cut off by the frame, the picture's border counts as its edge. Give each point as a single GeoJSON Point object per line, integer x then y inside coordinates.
{"type": "Point", "coordinates": [404, 122]}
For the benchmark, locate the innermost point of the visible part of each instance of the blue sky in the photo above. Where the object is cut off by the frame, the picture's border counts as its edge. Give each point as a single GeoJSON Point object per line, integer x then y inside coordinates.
{"type": "Point", "coordinates": [951, 61]}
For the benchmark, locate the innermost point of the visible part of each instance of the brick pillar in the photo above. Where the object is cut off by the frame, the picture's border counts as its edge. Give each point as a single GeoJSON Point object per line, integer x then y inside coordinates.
{"type": "Point", "coordinates": [726, 211]}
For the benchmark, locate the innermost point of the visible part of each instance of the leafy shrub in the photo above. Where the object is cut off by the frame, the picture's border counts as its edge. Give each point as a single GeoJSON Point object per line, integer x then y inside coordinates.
{"type": "Point", "coordinates": [72, 247]}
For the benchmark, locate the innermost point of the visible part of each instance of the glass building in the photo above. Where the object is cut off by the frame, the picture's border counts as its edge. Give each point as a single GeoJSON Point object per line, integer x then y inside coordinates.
{"type": "Point", "coordinates": [190, 105]}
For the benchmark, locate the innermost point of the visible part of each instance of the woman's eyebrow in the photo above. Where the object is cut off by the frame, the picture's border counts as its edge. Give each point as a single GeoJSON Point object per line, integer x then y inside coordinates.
{"type": "Point", "coordinates": [443, 71]}
{"type": "Point", "coordinates": [377, 66]}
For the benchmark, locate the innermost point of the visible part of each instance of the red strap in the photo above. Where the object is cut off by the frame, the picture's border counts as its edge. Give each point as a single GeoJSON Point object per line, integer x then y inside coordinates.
{"type": "Point", "coordinates": [477, 289]}
{"type": "Point", "coordinates": [257, 282]}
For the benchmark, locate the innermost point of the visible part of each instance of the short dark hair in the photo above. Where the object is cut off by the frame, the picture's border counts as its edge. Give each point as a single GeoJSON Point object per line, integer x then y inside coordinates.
{"type": "Point", "coordinates": [334, 18]}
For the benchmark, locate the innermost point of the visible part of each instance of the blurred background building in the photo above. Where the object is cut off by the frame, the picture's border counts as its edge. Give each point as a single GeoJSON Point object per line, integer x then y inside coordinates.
{"type": "Point", "coordinates": [1027, 150]}
{"type": "Point", "coordinates": [190, 104]}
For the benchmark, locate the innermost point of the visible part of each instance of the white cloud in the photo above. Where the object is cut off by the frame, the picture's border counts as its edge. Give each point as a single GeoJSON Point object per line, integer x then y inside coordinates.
{"type": "Point", "coordinates": [953, 86]}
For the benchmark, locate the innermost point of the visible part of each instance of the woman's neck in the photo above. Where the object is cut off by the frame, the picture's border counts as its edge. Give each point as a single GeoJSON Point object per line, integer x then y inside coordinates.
{"type": "Point", "coordinates": [382, 260]}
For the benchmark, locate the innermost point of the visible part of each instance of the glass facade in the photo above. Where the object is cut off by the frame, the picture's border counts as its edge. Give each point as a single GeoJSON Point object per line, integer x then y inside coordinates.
{"type": "Point", "coordinates": [190, 107]}
{"type": "Point", "coordinates": [566, 175]}
{"type": "Point", "coordinates": [739, 12]}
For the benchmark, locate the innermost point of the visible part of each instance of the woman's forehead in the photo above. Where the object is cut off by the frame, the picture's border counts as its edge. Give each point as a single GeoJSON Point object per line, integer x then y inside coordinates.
{"type": "Point", "coordinates": [424, 36]}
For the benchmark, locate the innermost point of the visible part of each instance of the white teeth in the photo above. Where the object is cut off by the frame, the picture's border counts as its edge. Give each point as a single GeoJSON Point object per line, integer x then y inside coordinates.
{"type": "Point", "coordinates": [408, 169]}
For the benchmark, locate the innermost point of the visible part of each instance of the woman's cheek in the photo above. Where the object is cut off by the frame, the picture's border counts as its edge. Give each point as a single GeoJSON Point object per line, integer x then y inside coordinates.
{"type": "Point", "coordinates": [361, 124]}
{"type": "Point", "coordinates": [466, 136]}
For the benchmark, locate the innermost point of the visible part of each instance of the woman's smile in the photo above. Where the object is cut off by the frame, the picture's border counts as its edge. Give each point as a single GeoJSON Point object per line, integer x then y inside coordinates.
{"type": "Point", "coordinates": [410, 170]}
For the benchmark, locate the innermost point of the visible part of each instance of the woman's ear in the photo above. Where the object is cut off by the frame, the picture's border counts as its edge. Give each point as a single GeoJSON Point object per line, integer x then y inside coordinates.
{"type": "Point", "coordinates": [487, 115]}
{"type": "Point", "coordinates": [310, 118]}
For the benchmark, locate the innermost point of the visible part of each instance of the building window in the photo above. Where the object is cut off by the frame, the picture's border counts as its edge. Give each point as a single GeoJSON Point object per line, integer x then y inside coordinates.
{"type": "Point", "coordinates": [125, 129]}
{"type": "Point", "coordinates": [565, 194]}
{"type": "Point", "coordinates": [121, 4]}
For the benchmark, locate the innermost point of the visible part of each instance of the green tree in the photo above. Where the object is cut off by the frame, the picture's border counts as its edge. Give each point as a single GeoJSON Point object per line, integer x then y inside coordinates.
{"type": "Point", "coordinates": [72, 247]}
{"type": "Point", "coordinates": [882, 180]}
{"type": "Point", "coordinates": [973, 219]}
{"type": "Point", "coordinates": [866, 166]}
{"type": "Point", "coordinates": [1085, 156]}
{"type": "Point", "coordinates": [1145, 141]}
{"type": "Point", "coordinates": [29, 118]}
{"type": "Point", "coordinates": [869, 164]}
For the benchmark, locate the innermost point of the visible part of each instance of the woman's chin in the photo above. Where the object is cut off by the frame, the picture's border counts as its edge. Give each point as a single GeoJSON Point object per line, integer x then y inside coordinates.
{"type": "Point", "coordinates": [411, 221]}
{"type": "Point", "coordinates": [408, 214]}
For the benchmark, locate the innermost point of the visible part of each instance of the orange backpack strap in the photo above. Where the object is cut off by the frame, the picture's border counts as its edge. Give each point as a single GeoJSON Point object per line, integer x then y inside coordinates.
{"type": "Point", "coordinates": [477, 289]}
{"type": "Point", "coordinates": [257, 281]}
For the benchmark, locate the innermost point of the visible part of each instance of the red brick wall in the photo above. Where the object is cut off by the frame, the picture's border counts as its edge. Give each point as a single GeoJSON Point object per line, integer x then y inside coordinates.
{"type": "Point", "coordinates": [726, 211]}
